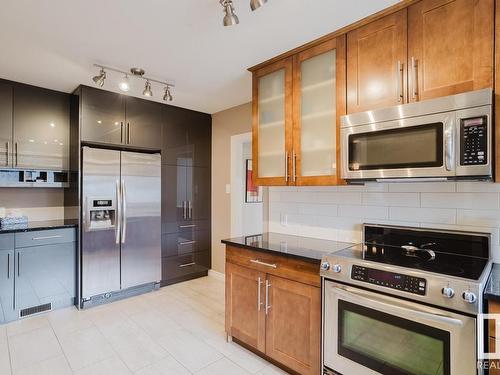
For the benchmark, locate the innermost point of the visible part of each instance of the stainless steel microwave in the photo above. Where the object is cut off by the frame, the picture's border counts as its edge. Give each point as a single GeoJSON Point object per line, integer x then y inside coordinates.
{"type": "Point", "coordinates": [438, 139]}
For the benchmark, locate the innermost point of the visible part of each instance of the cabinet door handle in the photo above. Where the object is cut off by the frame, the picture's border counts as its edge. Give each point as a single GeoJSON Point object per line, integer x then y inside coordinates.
{"type": "Point", "coordinates": [128, 133]}
{"type": "Point", "coordinates": [8, 265]}
{"type": "Point", "coordinates": [268, 306]}
{"type": "Point", "coordinates": [294, 166]}
{"type": "Point", "coordinates": [15, 149]}
{"type": "Point", "coordinates": [259, 283]}
{"type": "Point", "coordinates": [187, 243]}
{"type": "Point", "coordinates": [184, 210]}
{"type": "Point", "coordinates": [121, 132]}
{"type": "Point", "coordinates": [46, 237]}
{"type": "Point", "coordinates": [186, 265]}
{"type": "Point", "coordinates": [256, 261]}
{"type": "Point", "coordinates": [414, 78]}
{"type": "Point", "coordinates": [286, 167]}
{"type": "Point", "coordinates": [190, 210]}
{"type": "Point", "coordinates": [399, 81]}
{"type": "Point", "coordinates": [6, 154]}
{"type": "Point", "coordinates": [18, 264]}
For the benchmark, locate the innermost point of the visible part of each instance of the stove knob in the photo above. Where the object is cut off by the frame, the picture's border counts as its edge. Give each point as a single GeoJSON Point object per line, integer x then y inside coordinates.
{"type": "Point", "coordinates": [336, 268]}
{"type": "Point", "coordinates": [469, 297]}
{"type": "Point", "coordinates": [325, 266]}
{"type": "Point", "coordinates": [447, 292]}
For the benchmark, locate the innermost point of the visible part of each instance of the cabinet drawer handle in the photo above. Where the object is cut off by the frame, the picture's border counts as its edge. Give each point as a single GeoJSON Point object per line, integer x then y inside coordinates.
{"type": "Point", "coordinates": [187, 265]}
{"type": "Point", "coordinates": [46, 237]}
{"type": "Point", "coordinates": [187, 243]}
{"type": "Point", "coordinates": [187, 226]}
{"type": "Point", "coordinates": [256, 261]}
{"type": "Point", "coordinates": [259, 283]}
{"type": "Point", "coordinates": [268, 306]}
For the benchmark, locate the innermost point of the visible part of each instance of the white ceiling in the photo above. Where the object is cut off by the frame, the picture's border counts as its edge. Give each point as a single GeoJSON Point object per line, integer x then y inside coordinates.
{"type": "Point", "coordinates": [53, 43]}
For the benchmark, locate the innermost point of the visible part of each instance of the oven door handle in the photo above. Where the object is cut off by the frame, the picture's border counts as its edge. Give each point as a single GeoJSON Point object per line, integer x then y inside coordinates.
{"type": "Point", "coordinates": [416, 312]}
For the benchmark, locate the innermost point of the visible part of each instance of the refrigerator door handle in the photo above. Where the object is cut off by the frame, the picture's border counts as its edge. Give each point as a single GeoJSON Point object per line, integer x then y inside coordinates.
{"type": "Point", "coordinates": [124, 212]}
{"type": "Point", "coordinates": [118, 218]}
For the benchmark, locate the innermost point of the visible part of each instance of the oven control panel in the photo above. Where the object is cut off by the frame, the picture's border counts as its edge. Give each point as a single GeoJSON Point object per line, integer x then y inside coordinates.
{"type": "Point", "coordinates": [410, 284]}
{"type": "Point", "coordinates": [474, 141]}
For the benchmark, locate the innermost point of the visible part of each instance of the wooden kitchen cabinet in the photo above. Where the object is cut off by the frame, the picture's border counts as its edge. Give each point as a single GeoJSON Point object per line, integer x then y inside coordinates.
{"type": "Point", "coordinates": [245, 308]}
{"type": "Point", "coordinates": [376, 63]}
{"type": "Point", "coordinates": [297, 103]}
{"type": "Point", "coordinates": [493, 308]}
{"type": "Point", "coordinates": [293, 325]}
{"type": "Point", "coordinates": [274, 306]}
{"type": "Point", "coordinates": [450, 47]}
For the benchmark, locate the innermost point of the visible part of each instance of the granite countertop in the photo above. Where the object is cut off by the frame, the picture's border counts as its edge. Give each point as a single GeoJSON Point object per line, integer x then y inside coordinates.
{"type": "Point", "coordinates": [304, 248]}
{"type": "Point", "coordinates": [41, 225]}
{"type": "Point", "coordinates": [492, 290]}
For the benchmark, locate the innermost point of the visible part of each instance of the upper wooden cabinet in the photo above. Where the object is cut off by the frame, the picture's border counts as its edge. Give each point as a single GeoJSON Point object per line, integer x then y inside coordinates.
{"type": "Point", "coordinates": [376, 64]}
{"type": "Point", "coordinates": [450, 47]}
{"type": "Point", "coordinates": [297, 102]}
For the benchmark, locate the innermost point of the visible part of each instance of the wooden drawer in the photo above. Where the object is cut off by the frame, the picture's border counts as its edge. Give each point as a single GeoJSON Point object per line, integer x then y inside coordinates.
{"type": "Point", "coordinates": [282, 266]}
{"type": "Point", "coordinates": [185, 243]}
{"type": "Point", "coordinates": [186, 226]}
{"type": "Point", "coordinates": [45, 237]}
{"type": "Point", "coordinates": [7, 241]}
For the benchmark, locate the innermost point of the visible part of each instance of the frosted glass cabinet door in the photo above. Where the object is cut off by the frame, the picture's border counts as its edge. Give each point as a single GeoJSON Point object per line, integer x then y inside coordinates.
{"type": "Point", "coordinates": [272, 122]}
{"type": "Point", "coordinates": [315, 127]}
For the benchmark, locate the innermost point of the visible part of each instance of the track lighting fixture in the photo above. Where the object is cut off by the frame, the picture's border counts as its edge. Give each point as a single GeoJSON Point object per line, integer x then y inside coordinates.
{"type": "Point", "coordinates": [147, 89]}
{"type": "Point", "coordinates": [99, 79]}
{"type": "Point", "coordinates": [230, 18]}
{"type": "Point", "coordinates": [256, 4]}
{"type": "Point", "coordinates": [134, 73]}
{"type": "Point", "coordinates": [168, 95]}
{"type": "Point", "coordinates": [124, 84]}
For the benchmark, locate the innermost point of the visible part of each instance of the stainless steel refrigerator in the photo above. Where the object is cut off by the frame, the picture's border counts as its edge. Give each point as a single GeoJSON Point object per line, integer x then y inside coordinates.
{"type": "Point", "coordinates": [121, 220]}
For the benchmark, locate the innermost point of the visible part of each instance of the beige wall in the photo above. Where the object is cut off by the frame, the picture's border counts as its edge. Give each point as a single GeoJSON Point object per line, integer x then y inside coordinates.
{"type": "Point", "coordinates": [36, 203]}
{"type": "Point", "coordinates": [233, 121]}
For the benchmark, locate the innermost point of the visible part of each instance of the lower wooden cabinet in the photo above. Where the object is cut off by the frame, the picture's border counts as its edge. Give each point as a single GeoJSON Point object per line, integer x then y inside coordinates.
{"type": "Point", "coordinates": [279, 317]}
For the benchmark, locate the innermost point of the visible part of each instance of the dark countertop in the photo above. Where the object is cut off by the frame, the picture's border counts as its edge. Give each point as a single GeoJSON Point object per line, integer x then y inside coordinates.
{"type": "Point", "coordinates": [41, 225]}
{"type": "Point", "coordinates": [492, 290]}
{"type": "Point", "coordinates": [304, 248]}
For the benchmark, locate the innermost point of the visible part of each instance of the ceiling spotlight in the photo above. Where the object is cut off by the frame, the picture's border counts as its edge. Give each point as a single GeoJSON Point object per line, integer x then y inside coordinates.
{"type": "Point", "coordinates": [147, 89]}
{"type": "Point", "coordinates": [256, 4]}
{"type": "Point", "coordinates": [124, 84]}
{"type": "Point", "coordinates": [168, 95]}
{"type": "Point", "coordinates": [229, 17]}
{"type": "Point", "coordinates": [99, 79]}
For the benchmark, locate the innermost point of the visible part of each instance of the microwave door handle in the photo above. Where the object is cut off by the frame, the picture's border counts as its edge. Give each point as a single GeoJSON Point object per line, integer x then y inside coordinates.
{"type": "Point", "coordinates": [417, 311]}
{"type": "Point", "coordinates": [449, 146]}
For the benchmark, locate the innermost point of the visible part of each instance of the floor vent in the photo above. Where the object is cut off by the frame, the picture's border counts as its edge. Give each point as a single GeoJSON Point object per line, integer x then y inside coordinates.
{"type": "Point", "coordinates": [35, 310]}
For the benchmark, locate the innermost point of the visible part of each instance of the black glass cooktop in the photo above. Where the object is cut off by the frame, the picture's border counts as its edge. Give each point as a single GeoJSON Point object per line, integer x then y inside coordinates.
{"type": "Point", "coordinates": [431, 261]}
{"type": "Point", "coordinates": [444, 252]}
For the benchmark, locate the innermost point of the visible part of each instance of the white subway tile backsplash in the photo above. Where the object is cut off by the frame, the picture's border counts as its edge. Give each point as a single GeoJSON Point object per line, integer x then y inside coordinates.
{"type": "Point", "coordinates": [337, 213]}
{"type": "Point", "coordinates": [485, 201]}
{"type": "Point", "coordinates": [365, 212]}
{"type": "Point", "coordinates": [430, 215]}
{"type": "Point", "coordinates": [391, 199]}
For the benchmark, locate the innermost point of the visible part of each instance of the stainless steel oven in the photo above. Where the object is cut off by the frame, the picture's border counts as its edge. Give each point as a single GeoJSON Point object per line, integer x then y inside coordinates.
{"type": "Point", "coordinates": [370, 333]}
{"type": "Point", "coordinates": [444, 138]}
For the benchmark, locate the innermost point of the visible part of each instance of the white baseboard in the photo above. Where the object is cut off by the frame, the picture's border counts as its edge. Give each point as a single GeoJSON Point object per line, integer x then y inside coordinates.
{"type": "Point", "coordinates": [217, 275]}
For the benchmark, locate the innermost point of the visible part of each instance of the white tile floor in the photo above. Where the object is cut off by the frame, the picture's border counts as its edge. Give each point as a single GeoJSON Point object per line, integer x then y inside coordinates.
{"type": "Point", "coordinates": [178, 330]}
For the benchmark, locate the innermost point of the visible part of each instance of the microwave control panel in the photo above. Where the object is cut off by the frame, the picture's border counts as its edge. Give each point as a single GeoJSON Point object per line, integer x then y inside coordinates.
{"type": "Point", "coordinates": [410, 284]}
{"type": "Point", "coordinates": [474, 141]}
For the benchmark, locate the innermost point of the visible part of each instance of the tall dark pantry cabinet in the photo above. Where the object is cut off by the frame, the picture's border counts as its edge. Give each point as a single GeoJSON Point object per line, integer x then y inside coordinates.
{"type": "Point", "coordinates": [103, 119]}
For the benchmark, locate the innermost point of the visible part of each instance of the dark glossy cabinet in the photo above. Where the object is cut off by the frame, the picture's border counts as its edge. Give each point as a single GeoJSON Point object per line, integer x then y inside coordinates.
{"type": "Point", "coordinates": [186, 194]}
{"type": "Point", "coordinates": [102, 116]}
{"type": "Point", "coordinates": [5, 124]}
{"type": "Point", "coordinates": [34, 127]}
{"type": "Point", "coordinates": [41, 128]}
{"type": "Point", "coordinates": [116, 119]}
{"type": "Point", "coordinates": [144, 121]}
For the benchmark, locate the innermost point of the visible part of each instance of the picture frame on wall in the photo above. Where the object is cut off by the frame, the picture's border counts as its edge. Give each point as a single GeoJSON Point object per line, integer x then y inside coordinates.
{"type": "Point", "coordinates": [253, 193]}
